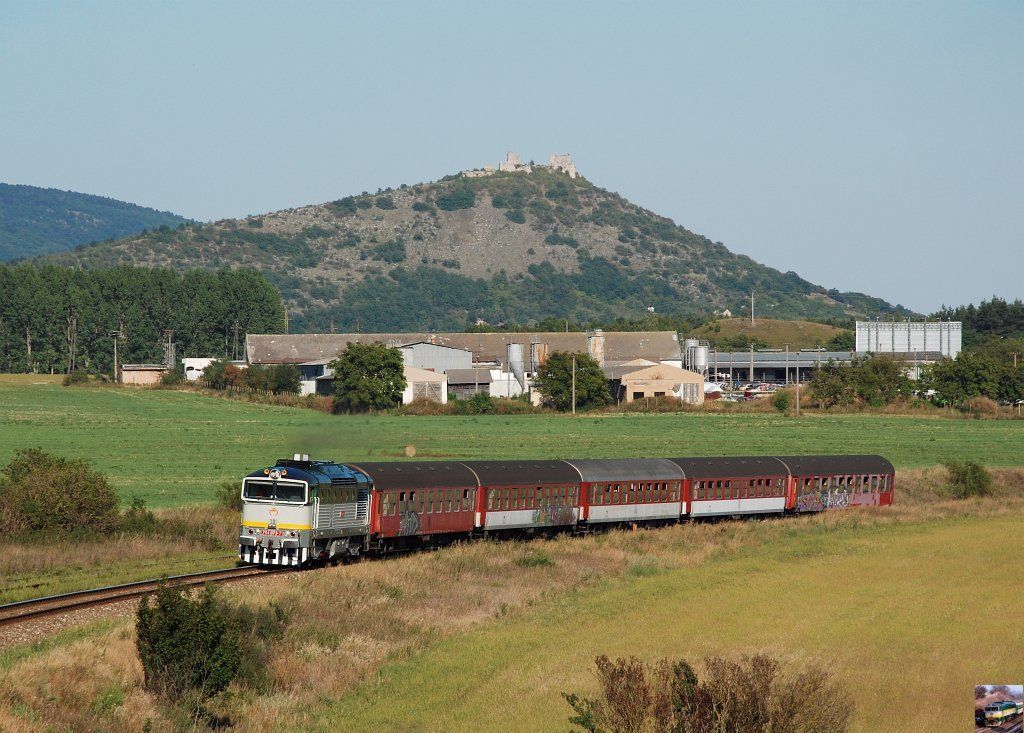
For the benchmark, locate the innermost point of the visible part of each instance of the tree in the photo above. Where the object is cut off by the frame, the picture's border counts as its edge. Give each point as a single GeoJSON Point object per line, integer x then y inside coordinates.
{"type": "Point", "coordinates": [842, 341]}
{"type": "Point", "coordinates": [40, 491]}
{"type": "Point", "coordinates": [555, 376]}
{"type": "Point", "coordinates": [284, 378]}
{"type": "Point", "coordinates": [368, 377]}
{"type": "Point", "coordinates": [830, 386]}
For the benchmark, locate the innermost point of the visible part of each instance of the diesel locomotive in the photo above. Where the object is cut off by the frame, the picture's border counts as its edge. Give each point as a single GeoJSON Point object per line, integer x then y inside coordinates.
{"type": "Point", "coordinates": [301, 511]}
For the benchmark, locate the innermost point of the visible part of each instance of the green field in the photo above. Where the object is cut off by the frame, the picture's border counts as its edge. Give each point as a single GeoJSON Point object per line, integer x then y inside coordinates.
{"type": "Point", "coordinates": [901, 613]}
{"type": "Point", "coordinates": [173, 448]}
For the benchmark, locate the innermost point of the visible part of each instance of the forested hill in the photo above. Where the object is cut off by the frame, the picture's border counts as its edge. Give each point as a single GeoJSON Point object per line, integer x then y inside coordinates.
{"type": "Point", "coordinates": [37, 221]}
{"type": "Point", "coordinates": [504, 248]}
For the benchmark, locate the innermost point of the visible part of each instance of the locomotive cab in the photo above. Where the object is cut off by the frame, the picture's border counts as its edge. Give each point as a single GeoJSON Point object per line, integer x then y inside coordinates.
{"type": "Point", "coordinates": [301, 511]}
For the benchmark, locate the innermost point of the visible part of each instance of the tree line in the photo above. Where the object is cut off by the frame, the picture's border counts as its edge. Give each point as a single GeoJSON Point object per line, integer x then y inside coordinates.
{"type": "Point", "coordinates": [58, 319]}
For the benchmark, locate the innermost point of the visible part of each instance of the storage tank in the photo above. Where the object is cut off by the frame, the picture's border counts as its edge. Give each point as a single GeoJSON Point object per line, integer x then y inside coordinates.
{"type": "Point", "coordinates": [689, 346]}
{"type": "Point", "coordinates": [515, 363]}
{"type": "Point", "coordinates": [538, 355]}
{"type": "Point", "coordinates": [700, 359]}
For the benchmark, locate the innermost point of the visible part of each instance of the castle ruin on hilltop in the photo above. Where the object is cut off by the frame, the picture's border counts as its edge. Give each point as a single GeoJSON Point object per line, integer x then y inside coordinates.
{"type": "Point", "coordinates": [512, 164]}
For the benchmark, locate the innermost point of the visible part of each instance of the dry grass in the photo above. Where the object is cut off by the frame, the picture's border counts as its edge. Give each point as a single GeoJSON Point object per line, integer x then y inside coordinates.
{"type": "Point", "coordinates": [349, 621]}
{"type": "Point", "coordinates": [186, 540]}
{"type": "Point", "coordinates": [776, 333]}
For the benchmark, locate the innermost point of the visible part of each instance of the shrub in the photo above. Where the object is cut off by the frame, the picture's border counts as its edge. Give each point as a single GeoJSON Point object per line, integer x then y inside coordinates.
{"type": "Point", "coordinates": [516, 215]}
{"type": "Point", "coordinates": [229, 496]}
{"type": "Point", "coordinates": [982, 407]}
{"type": "Point", "coordinates": [422, 207]}
{"type": "Point", "coordinates": [385, 202]}
{"type": "Point", "coordinates": [189, 649]}
{"type": "Point", "coordinates": [138, 519]}
{"type": "Point", "coordinates": [393, 251]}
{"type": "Point", "coordinates": [40, 491]}
{"type": "Point", "coordinates": [968, 478]}
{"type": "Point", "coordinates": [343, 207]}
{"type": "Point", "coordinates": [747, 696]}
{"type": "Point", "coordinates": [782, 400]}
{"type": "Point", "coordinates": [172, 378]}
{"type": "Point", "coordinates": [76, 377]}
{"type": "Point", "coordinates": [457, 197]}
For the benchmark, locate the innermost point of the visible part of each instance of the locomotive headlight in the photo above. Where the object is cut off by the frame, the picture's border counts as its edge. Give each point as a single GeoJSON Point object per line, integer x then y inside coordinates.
{"type": "Point", "coordinates": [251, 531]}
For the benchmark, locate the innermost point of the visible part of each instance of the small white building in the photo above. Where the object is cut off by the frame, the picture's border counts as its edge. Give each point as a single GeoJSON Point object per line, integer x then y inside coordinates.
{"type": "Point", "coordinates": [423, 384]}
{"type": "Point", "coordinates": [193, 367]}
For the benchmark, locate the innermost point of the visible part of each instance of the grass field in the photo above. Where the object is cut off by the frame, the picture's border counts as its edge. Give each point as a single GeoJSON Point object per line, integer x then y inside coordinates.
{"type": "Point", "coordinates": [173, 448]}
{"type": "Point", "coordinates": [798, 334]}
{"type": "Point", "coordinates": [902, 614]}
{"type": "Point", "coordinates": [897, 602]}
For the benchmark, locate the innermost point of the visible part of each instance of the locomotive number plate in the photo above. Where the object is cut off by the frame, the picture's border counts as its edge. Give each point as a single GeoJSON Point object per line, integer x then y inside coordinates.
{"type": "Point", "coordinates": [272, 532]}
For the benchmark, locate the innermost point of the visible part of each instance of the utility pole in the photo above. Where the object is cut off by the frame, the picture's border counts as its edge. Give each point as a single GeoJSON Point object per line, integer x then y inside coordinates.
{"type": "Point", "coordinates": [574, 384]}
{"type": "Point", "coordinates": [798, 384]}
{"type": "Point", "coordinates": [751, 309]}
{"type": "Point", "coordinates": [115, 335]}
{"type": "Point", "coordinates": [787, 363]}
{"type": "Point", "coordinates": [234, 349]}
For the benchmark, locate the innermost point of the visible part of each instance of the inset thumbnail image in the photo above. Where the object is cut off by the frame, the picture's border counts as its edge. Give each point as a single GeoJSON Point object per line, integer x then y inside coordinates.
{"type": "Point", "coordinates": [999, 708]}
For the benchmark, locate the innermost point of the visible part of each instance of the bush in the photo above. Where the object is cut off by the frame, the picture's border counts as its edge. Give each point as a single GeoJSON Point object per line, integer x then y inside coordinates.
{"type": "Point", "coordinates": [385, 202]}
{"type": "Point", "coordinates": [138, 519]}
{"type": "Point", "coordinates": [76, 377]}
{"type": "Point", "coordinates": [40, 492]}
{"type": "Point", "coordinates": [393, 251]}
{"type": "Point", "coordinates": [422, 207]}
{"type": "Point", "coordinates": [193, 649]}
{"type": "Point", "coordinates": [172, 378]}
{"type": "Point", "coordinates": [782, 400]}
{"type": "Point", "coordinates": [457, 197]}
{"type": "Point", "coordinates": [229, 496]}
{"type": "Point", "coordinates": [982, 407]}
{"type": "Point", "coordinates": [516, 215]}
{"type": "Point", "coordinates": [747, 696]}
{"type": "Point", "coordinates": [968, 478]}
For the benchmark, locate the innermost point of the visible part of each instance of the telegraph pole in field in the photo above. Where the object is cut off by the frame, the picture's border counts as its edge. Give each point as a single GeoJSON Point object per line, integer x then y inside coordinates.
{"type": "Point", "coordinates": [574, 384]}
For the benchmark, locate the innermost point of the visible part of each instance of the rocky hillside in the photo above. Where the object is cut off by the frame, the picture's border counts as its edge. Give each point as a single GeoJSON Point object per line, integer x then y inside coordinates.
{"type": "Point", "coordinates": [36, 221]}
{"type": "Point", "coordinates": [509, 247]}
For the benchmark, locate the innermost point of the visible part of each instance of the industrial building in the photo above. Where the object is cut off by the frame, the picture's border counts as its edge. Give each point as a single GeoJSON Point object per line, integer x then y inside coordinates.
{"type": "Point", "coordinates": [142, 375]}
{"type": "Point", "coordinates": [500, 364]}
{"type": "Point", "coordinates": [904, 339]}
{"type": "Point", "coordinates": [610, 347]}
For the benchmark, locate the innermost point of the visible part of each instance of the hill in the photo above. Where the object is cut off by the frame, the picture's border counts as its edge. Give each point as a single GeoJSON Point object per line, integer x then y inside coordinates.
{"type": "Point", "coordinates": [509, 247]}
{"type": "Point", "coordinates": [38, 221]}
{"type": "Point", "coordinates": [766, 333]}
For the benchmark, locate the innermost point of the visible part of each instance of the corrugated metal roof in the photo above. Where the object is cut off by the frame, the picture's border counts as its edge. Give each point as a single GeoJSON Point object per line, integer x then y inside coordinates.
{"type": "Point", "coordinates": [618, 345]}
{"type": "Point", "coordinates": [469, 376]}
{"type": "Point", "coordinates": [827, 465]}
{"type": "Point", "coordinates": [510, 473]}
{"type": "Point", "coordinates": [418, 474]}
{"type": "Point", "coordinates": [627, 469]}
{"type": "Point", "coordinates": [733, 467]}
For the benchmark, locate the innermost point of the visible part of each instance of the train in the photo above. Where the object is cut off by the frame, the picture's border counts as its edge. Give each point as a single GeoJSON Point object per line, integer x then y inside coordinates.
{"type": "Point", "coordinates": [996, 713]}
{"type": "Point", "coordinates": [302, 512]}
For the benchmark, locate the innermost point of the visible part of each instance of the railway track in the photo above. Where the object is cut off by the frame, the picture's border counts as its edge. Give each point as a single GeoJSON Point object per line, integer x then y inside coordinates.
{"type": "Point", "coordinates": [52, 605]}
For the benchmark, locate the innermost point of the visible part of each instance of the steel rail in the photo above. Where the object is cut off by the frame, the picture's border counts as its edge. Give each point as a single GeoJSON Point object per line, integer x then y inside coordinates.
{"type": "Point", "coordinates": [63, 602]}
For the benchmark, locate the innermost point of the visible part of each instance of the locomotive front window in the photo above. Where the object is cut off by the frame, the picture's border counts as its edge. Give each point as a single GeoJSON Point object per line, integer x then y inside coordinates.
{"type": "Point", "coordinates": [275, 491]}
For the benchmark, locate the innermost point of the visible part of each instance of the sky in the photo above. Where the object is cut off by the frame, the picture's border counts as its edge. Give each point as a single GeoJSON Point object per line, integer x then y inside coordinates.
{"type": "Point", "coordinates": [868, 146]}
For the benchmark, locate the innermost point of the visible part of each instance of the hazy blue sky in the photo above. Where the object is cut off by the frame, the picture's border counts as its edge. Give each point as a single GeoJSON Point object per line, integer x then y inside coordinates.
{"type": "Point", "coordinates": [868, 146]}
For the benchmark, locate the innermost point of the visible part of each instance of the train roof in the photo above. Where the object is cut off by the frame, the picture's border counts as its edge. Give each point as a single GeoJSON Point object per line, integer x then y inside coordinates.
{"type": "Point", "coordinates": [418, 474]}
{"type": "Point", "coordinates": [825, 465]}
{"type": "Point", "coordinates": [508, 473]}
{"type": "Point", "coordinates": [627, 469]}
{"type": "Point", "coordinates": [733, 467]}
